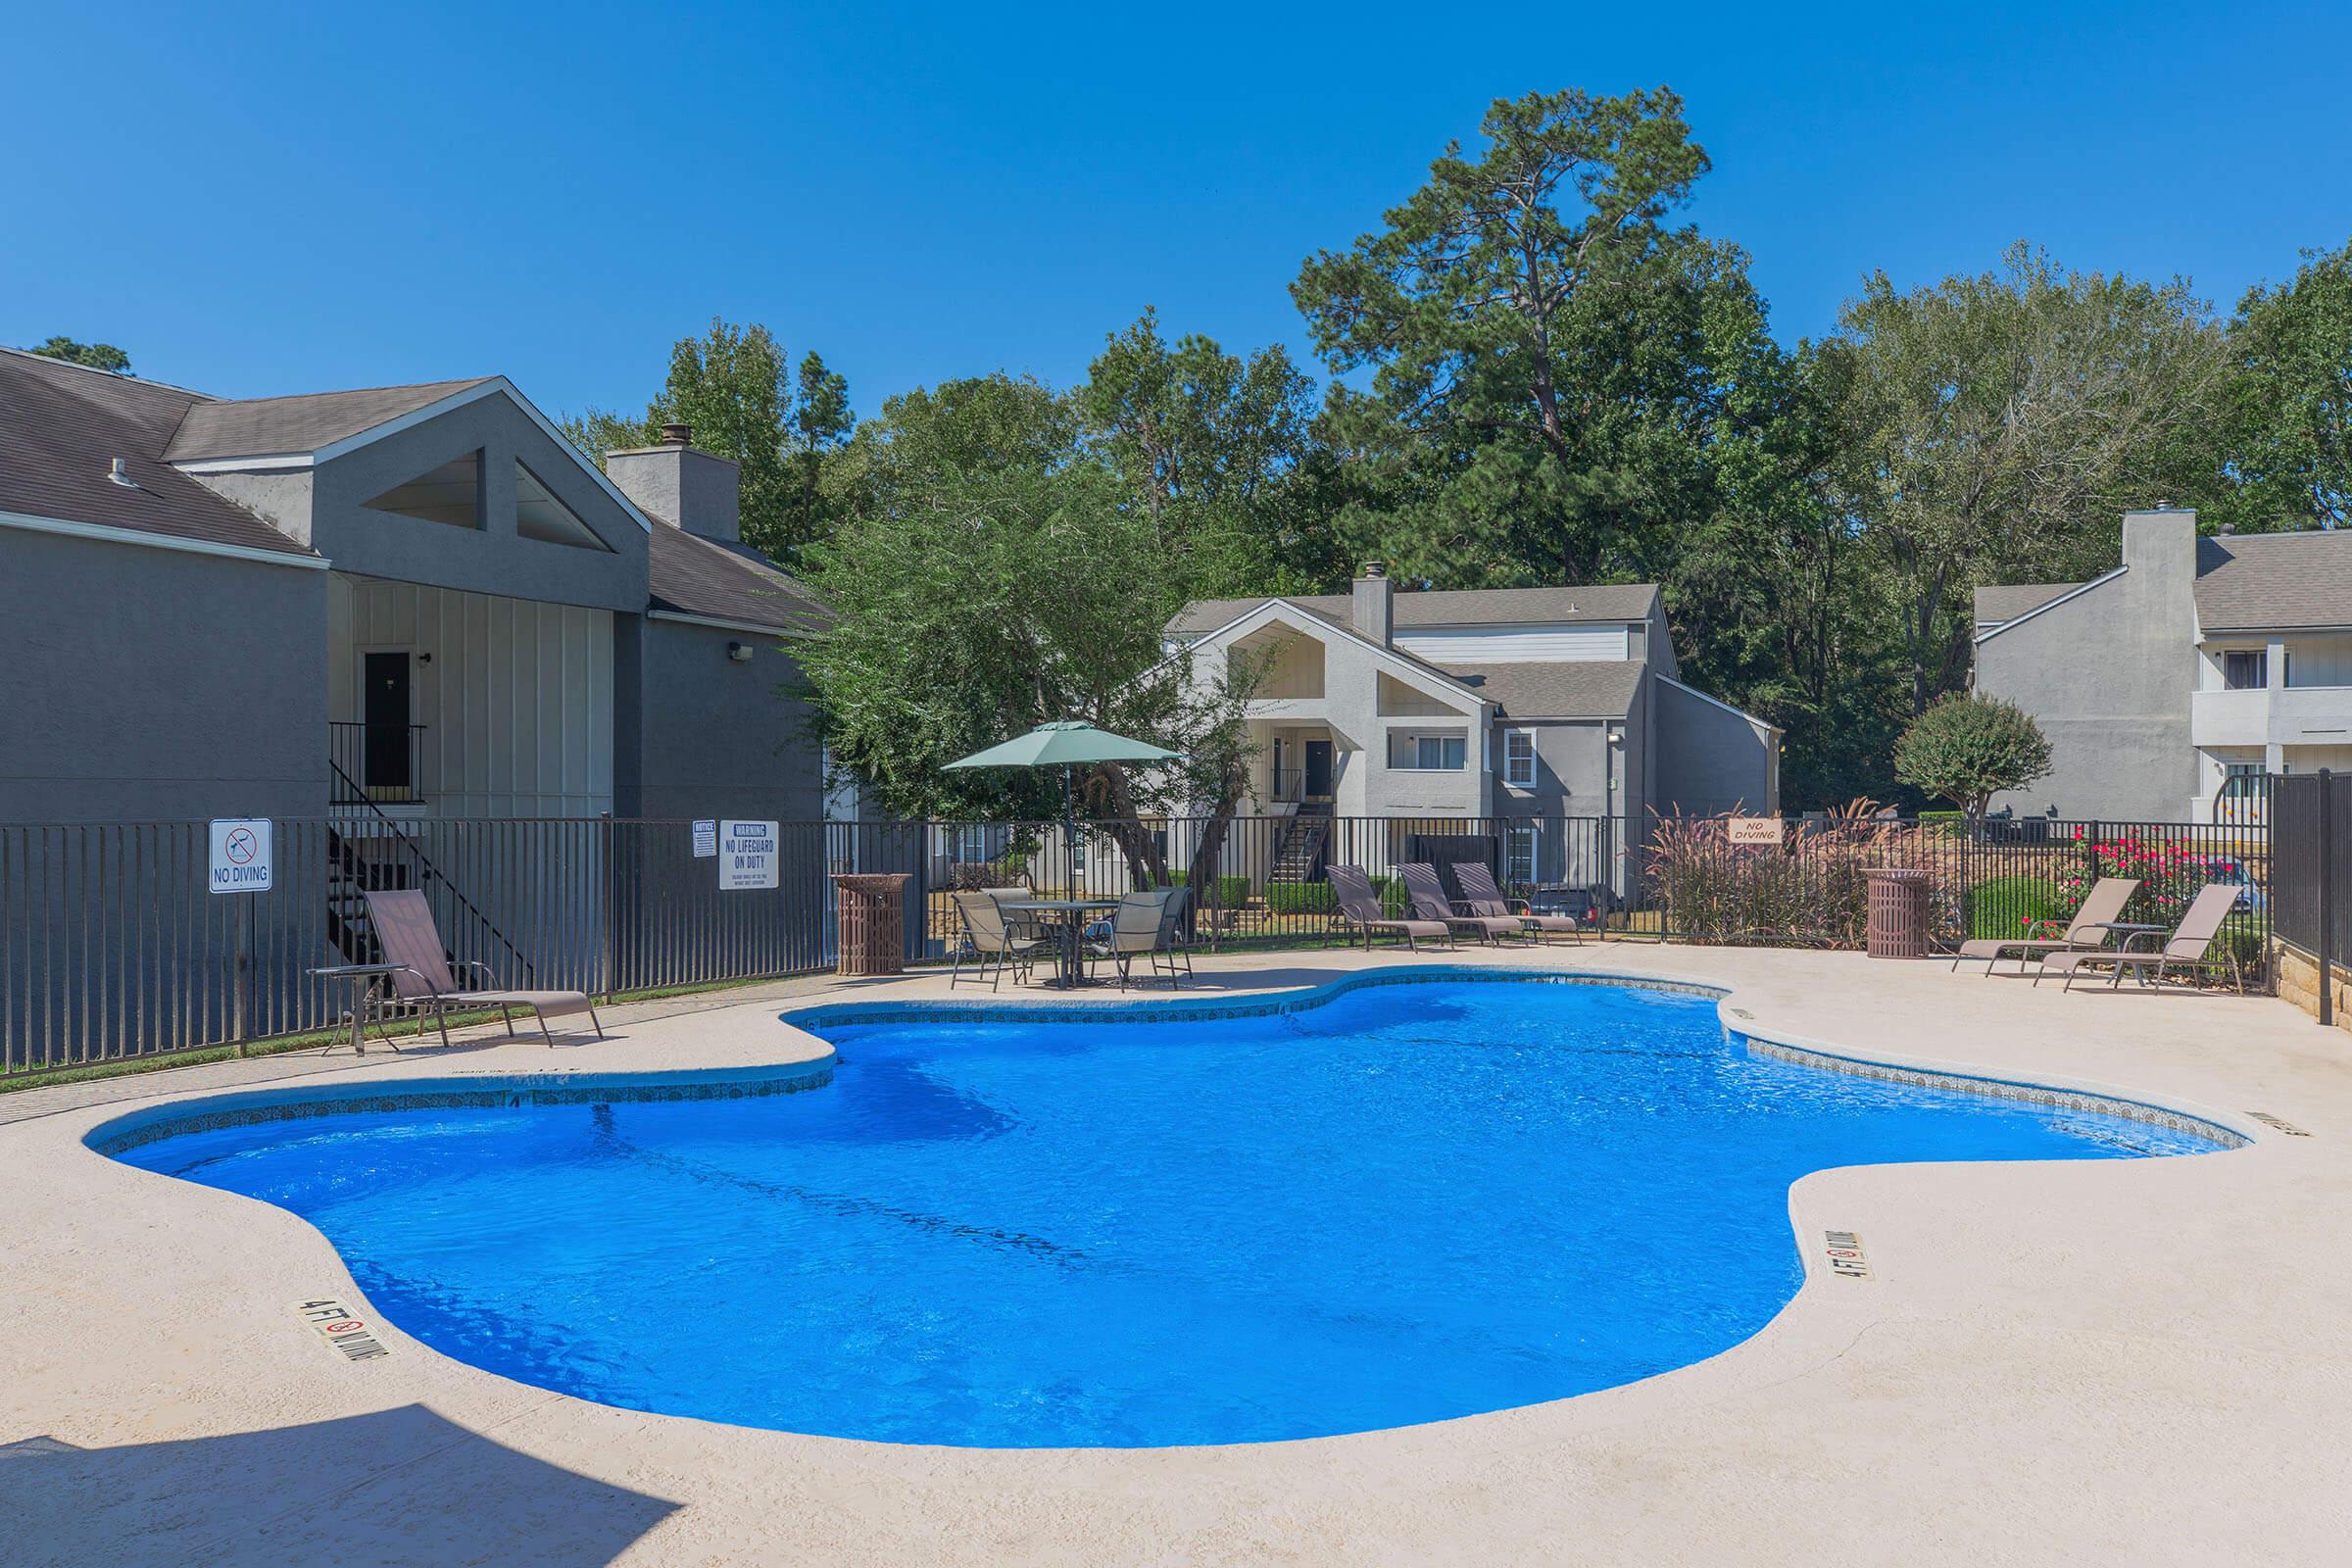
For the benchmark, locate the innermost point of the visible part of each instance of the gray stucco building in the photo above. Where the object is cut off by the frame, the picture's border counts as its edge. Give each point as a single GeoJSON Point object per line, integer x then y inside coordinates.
{"type": "Point", "coordinates": [387, 603]}
{"type": "Point", "coordinates": [2196, 663]}
{"type": "Point", "coordinates": [1535, 705]}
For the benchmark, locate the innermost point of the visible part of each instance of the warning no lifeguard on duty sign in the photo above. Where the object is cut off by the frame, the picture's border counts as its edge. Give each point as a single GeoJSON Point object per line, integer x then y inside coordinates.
{"type": "Point", "coordinates": [241, 861]}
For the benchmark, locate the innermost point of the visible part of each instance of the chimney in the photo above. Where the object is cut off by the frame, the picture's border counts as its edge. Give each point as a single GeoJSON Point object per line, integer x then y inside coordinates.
{"type": "Point", "coordinates": [679, 484]}
{"type": "Point", "coordinates": [2164, 536]}
{"type": "Point", "coordinates": [1374, 608]}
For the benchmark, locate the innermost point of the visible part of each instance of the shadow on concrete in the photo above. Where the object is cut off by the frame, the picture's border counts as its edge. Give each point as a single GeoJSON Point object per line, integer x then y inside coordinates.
{"type": "Point", "coordinates": [399, 1485]}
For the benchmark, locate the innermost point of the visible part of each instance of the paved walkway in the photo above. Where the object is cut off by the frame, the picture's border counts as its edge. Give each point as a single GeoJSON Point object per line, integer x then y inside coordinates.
{"type": "Point", "coordinates": [2139, 1361]}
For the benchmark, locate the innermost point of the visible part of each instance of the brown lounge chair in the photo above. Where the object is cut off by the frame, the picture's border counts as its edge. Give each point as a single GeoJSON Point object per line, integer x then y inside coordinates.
{"type": "Point", "coordinates": [1426, 896]}
{"type": "Point", "coordinates": [1481, 897]}
{"type": "Point", "coordinates": [404, 925]}
{"type": "Point", "coordinates": [1360, 908]}
{"type": "Point", "coordinates": [2087, 929]}
{"type": "Point", "coordinates": [2184, 948]}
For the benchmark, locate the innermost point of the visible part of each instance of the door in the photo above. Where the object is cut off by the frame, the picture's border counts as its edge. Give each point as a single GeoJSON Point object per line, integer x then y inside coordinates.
{"type": "Point", "coordinates": [1318, 770]}
{"type": "Point", "coordinates": [384, 712]}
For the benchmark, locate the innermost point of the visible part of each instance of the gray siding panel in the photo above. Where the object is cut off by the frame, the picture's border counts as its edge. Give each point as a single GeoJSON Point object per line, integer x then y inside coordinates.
{"type": "Point", "coordinates": [1709, 758]}
{"type": "Point", "coordinates": [145, 684]}
{"type": "Point", "coordinates": [716, 737]}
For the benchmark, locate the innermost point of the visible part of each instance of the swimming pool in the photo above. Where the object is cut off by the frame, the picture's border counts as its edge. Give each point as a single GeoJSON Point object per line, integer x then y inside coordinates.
{"type": "Point", "coordinates": [1408, 1202]}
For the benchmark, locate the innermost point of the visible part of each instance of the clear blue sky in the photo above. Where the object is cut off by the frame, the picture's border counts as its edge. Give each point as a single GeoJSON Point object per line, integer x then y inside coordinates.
{"type": "Point", "coordinates": [338, 195]}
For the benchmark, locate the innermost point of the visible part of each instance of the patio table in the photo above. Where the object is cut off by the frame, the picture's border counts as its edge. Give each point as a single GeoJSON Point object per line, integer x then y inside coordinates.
{"type": "Point", "coordinates": [2131, 931]}
{"type": "Point", "coordinates": [366, 998]}
{"type": "Point", "coordinates": [1072, 914]}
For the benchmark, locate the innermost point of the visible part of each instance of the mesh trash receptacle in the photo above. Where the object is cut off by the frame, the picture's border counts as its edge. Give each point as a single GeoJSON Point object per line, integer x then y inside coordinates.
{"type": "Point", "coordinates": [870, 922]}
{"type": "Point", "coordinates": [1898, 913]}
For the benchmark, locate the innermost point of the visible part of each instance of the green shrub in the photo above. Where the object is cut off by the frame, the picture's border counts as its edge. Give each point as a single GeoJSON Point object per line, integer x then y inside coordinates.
{"type": "Point", "coordinates": [1300, 898]}
{"type": "Point", "coordinates": [1232, 890]}
{"type": "Point", "coordinates": [2003, 906]}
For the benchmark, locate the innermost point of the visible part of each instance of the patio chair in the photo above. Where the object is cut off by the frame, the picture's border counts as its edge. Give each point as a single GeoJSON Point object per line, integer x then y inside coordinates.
{"type": "Point", "coordinates": [1481, 897]}
{"type": "Point", "coordinates": [986, 936]}
{"type": "Point", "coordinates": [2087, 929]}
{"type": "Point", "coordinates": [1359, 909]}
{"type": "Point", "coordinates": [2184, 948]}
{"type": "Point", "coordinates": [1426, 897]}
{"type": "Point", "coordinates": [1138, 927]}
{"type": "Point", "coordinates": [404, 929]}
{"type": "Point", "coordinates": [1172, 933]}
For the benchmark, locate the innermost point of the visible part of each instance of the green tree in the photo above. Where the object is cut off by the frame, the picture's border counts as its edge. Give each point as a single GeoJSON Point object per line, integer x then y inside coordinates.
{"type": "Point", "coordinates": [2290, 349]}
{"type": "Point", "coordinates": [97, 356]}
{"type": "Point", "coordinates": [990, 575]}
{"type": "Point", "coordinates": [1538, 399]}
{"type": "Point", "coordinates": [2000, 425]}
{"type": "Point", "coordinates": [736, 388]}
{"type": "Point", "coordinates": [1208, 445]}
{"type": "Point", "coordinates": [1967, 747]}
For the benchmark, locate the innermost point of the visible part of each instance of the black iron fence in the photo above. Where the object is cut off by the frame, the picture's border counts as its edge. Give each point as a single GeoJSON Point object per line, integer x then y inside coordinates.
{"type": "Point", "coordinates": [113, 942]}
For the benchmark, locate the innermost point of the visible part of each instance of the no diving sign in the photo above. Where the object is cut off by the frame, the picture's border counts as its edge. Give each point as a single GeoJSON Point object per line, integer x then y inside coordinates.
{"type": "Point", "coordinates": [241, 859]}
{"type": "Point", "coordinates": [747, 856]}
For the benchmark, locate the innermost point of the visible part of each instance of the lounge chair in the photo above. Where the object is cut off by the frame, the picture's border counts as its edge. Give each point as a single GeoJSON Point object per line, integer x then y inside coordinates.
{"type": "Point", "coordinates": [1426, 897]}
{"type": "Point", "coordinates": [986, 936]}
{"type": "Point", "coordinates": [1481, 897]}
{"type": "Point", "coordinates": [1359, 908]}
{"type": "Point", "coordinates": [2184, 948]}
{"type": "Point", "coordinates": [1139, 926]}
{"type": "Point", "coordinates": [2087, 929]}
{"type": "Point", "coordinates": [404, 929]}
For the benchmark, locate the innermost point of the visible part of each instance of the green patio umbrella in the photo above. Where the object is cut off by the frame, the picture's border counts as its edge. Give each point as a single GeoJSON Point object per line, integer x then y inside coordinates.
{"type": "Point", "coordinates": [1068, 744]}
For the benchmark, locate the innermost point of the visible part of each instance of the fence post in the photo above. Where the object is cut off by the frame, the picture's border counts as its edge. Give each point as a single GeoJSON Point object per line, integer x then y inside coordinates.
{"type": "Point", "coordinates": [2326, 952]}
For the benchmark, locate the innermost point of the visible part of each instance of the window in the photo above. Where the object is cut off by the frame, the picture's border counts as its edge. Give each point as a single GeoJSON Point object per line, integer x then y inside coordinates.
{"type": "Point", "coordinates": [1429, 753]}
{"type": "Point", "coordinates": [1519, 854]}
{"type": "Point", "coordinates": [2244, 669]}
{"type": "Point", "coordinates": [1519, 757]}
{"type": "Point", "coordinates": [450, 494]}
{"type": "Point", "coordinates": [539, 515]}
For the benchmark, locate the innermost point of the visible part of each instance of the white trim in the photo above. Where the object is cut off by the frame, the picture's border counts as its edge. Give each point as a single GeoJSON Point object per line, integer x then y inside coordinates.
{"type": "Point", "coordinates": [1739, 712]}
{"type": "Point", "coordinates": [720, 623]}
{"type": "Point", "coordinates": [496, 385]}
{"type": "Point", "coordinates": [2053, 603]}
{"type": "Point", "coordinates": [159, 541]}
{"type": "Point", "coordinates": [1529, 782]}
{"type": "Point", "coordinates": [1316, 626]}
{"type": "Point", "coordinates": [281, 460]}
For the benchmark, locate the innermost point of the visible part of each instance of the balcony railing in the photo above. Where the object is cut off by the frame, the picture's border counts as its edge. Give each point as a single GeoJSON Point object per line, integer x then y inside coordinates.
{"type": "Point", "coordinates": [376, 763]}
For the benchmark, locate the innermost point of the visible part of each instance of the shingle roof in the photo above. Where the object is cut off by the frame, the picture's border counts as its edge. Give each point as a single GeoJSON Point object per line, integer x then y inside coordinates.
{"type": "Point", "coordinates": [265, 426]}
{"type": "Point", "coordinates": [60, 428]}
{"type": "Point", "coordinates": [1998, 605]}
{"type": "Point", "coordinates": [1469, 606]}
{"type": "Point", "coordinates": [696, 576]}
{"type": "Point", "coordinates": [2275, 582]}
{"type": "Point", "coordinates": [1579, 689]}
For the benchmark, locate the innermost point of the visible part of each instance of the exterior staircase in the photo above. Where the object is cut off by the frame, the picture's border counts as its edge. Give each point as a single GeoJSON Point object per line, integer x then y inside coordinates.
{"type": "Point", "coordinates": [1299, 857]}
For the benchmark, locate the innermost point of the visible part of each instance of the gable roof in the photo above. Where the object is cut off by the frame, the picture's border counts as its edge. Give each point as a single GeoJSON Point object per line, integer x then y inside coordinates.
{"type": "Point", "coordinates": [2275, 582]}
{"type": "Point", "coordinates": [1468, 606]}
{"type": "Point", "coordinates": [62, 426]}
{"type": "Point", "coordinates": [252, 427]}
{"type": "Point", "coordinates": [713, 580]}
{"type": "Point", "coordinates": [1579, 689]}
{"type": "Point", "coordinates": [1996, 605]}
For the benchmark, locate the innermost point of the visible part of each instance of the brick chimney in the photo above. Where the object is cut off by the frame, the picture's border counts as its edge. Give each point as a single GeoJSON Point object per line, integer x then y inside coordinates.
{"type": "Point", "coordinates": [1374, 608]}
{"type": "Point", "coordinates": [679, 484]}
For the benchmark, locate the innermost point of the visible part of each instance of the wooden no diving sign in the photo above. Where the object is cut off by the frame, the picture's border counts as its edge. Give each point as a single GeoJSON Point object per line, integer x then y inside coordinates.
{"type": "Point", "coordinates": [339, 1327]}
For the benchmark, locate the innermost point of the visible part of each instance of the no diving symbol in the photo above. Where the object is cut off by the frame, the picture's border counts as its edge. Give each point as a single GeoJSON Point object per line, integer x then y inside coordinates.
{"type": "Point", "coordinates": [241, 847]}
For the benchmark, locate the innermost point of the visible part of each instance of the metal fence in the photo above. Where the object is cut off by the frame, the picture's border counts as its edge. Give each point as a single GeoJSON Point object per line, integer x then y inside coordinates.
{"type": "Point", "coordinates": [2311, 814]}
{"type": "Point", "coordinates": [113, 945]}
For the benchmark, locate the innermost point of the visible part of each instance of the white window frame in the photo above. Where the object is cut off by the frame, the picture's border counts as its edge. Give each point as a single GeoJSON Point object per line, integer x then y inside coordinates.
{"type": "Point", "coordinates": [1410, 741]}
{"type": "Point", "coordinates": [1511, 775]}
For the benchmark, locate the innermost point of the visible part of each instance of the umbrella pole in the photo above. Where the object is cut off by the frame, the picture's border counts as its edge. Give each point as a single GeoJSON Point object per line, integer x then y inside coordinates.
{"type": "Point", "coordinates": [1069, 829]}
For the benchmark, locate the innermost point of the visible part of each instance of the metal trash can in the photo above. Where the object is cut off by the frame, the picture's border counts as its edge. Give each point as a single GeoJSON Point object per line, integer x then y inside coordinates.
{"type": "Point", "coordinates": [870, 923]}
{"type": "Point", "coordinates": [1898, 913]}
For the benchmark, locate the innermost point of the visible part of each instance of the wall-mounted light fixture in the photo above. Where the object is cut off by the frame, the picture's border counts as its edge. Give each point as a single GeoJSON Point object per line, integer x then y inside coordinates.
{"type": "Point", "coordinates": [741, 652]}
{"type": "Point", "coordinates": [1616, 737]}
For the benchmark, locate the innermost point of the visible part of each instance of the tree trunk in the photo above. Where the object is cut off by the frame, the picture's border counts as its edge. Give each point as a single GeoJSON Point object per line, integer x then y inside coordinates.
{"type": "Point", "coordinates": [1108, 792]}
{"type": "Point", "coordinates": [1202, 877]}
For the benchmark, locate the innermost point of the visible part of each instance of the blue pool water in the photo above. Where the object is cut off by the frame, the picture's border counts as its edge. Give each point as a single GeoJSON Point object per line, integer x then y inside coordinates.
{"type": "Point", "coordinates": [1412, 1203]}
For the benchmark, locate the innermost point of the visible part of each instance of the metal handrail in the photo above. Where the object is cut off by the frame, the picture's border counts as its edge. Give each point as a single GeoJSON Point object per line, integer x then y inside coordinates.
{"type": "Point", "coordinates": [428, 873]}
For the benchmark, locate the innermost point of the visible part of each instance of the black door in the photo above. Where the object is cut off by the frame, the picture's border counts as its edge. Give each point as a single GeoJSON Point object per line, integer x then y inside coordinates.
{"type": "Point", "coordinates": [384, 709]}
{"type": "Point", "coordinates": [1318, 770]}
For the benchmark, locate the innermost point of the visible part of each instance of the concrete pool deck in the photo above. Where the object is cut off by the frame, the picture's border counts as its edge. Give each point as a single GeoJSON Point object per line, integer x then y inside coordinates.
{"type": "Point", "coordinates": [2132, 1362]}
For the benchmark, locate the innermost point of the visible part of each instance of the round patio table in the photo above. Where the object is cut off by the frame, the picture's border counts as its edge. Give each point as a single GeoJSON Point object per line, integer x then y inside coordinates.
{"type": "Point", "coordinates": [1072, 915]}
